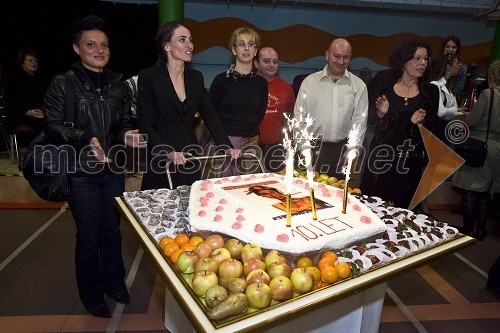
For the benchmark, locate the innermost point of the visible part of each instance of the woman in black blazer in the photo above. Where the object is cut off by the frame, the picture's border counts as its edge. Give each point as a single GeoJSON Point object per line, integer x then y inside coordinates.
{"type": "Point", "coordinates": [169, 96]}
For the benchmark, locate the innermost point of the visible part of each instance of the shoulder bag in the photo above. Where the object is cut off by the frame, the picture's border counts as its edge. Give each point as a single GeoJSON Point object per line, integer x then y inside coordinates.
{"type": "Point", "coordinates": [474, 151]}
{"type": "Point", "coordinates": [46, 165]}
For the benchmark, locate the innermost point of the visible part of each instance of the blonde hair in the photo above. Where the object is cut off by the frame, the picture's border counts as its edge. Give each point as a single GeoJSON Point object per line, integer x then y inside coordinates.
{"type": "Point", "coordinates": [243, 31]}
{"type": "Point", "coordinates": [494, 72]}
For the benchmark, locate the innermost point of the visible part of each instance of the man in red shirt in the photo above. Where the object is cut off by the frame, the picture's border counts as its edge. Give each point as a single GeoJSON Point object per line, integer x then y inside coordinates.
{"type": "Point", "coordinates": [281, 99]}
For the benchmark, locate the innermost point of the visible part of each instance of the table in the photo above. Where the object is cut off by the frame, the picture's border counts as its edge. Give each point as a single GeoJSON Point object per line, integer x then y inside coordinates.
{"type": "Point", "coordinates": [354, 305]}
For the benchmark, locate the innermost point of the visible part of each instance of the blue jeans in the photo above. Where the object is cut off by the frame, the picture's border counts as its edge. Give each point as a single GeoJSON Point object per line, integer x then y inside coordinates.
{"type": "Point", "coordinates": [98, 256]}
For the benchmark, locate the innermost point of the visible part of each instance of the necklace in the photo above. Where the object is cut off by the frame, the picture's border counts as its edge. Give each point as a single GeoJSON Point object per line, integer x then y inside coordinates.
{"type": "Point", "coordinates": [407, 92]}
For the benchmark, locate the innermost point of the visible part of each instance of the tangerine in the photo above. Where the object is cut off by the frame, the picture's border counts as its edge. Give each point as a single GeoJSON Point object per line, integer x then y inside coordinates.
{"type": "Point", "coordinates": [175, 255]}
{"type": "Point", "coordinates": [164, 241]}
{"type": "Point", "coordinates": [195, 240]}
{"type": "Point", "coordinates": [169, 248]}
{"type": "Point", "coordinates": [181, 239]}
{"type": "Point", "coordinates": [343, 270]}
{"type": "Point", "coordinates": [329, 274]}
{"type": "Point", "coordinates": [326, 262]}
{"type": "Point", "coordinates": [304, 262]}
{"type": "Point", "coordinates": [330, 254]}
{"type": "Point", "coordinates": [315, 272]}
{"type": "Point", "coordinates": [187, 247]}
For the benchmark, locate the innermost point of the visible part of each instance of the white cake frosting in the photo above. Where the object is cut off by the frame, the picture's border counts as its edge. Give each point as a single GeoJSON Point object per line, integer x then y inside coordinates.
{"type": "Point", "coordinates": [231, 206]}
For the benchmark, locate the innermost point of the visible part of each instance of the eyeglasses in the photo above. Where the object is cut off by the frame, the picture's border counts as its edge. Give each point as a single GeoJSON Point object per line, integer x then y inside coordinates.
{"type": "Point", "coordinates": [420, 58]}
{"type": "Point", "coordinates": [243, 45]}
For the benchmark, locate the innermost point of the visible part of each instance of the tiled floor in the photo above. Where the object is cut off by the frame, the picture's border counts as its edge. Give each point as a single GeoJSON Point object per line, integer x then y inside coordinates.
{"type": "Point", "coordinates": [38, 290]}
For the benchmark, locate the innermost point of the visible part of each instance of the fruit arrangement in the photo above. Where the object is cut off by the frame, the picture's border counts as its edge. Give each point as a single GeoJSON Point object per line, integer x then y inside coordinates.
{"type": "Point", "coordinates": [323, 178]}
{"type": "Point", "coordinates": [231, 278]}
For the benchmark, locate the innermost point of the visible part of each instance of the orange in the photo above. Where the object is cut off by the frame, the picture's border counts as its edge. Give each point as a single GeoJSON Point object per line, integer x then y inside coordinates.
{"type": "Point", "coordinates": [330, 254]}
{"type": "Point", "coordinates": [195, 240]}
{"type": "Point", "coordinates": [304, 262]}
{"type": "Point", "coordinates": [181, 239]}
{"type": "Point", "coordinates": [164, 241]}
{"type": "Point", "coordinates": [170, 248]}
{"type": "Point", "coordinates": [343, 270]}
{"type": "Point", "coordinates": [175, 255]}
{"type": "Point", "coordinates": [187, 247]}
{"type": "Point", "coordinates": [329, 274]}
{"type": "Point", "coordinates": [325, 262]}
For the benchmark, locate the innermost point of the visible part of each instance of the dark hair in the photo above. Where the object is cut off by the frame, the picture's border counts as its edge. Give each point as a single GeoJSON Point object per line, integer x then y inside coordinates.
{"type": "Point", "coordinates": [405, 52]}
{"type": "Point", "coordinates": [439, 66]}
{"type": "Point", "coordinates": [23, 53]}
{"type": "Point", "coordinates": [90, 22]}
{"type": "Point", "coordinates": [164, 35]}
{"type": "Point", "coordinates": [455, 40]}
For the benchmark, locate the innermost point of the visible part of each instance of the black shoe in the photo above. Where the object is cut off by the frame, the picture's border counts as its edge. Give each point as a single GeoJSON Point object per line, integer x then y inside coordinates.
{"type": "Point", "coordinates": [480, 234]}
{"type": "Point", "coordinates": [100, 311]}
{"type": "Point", "coordinates": [121, 297]}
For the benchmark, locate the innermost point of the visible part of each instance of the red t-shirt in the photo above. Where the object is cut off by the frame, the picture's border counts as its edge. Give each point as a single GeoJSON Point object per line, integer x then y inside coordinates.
{"type": "Point", "coordinates": [280, 99]}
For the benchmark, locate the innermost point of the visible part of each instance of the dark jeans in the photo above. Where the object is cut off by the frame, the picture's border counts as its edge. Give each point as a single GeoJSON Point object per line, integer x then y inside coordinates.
{"type": "Point", "coordinates": [98, 256]}
{"type": "Point", "coordinates": [274, 157]}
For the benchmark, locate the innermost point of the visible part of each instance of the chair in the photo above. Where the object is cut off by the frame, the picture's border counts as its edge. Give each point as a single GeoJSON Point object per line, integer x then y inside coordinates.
{"type": "Point", "coordinates": [10, 135]}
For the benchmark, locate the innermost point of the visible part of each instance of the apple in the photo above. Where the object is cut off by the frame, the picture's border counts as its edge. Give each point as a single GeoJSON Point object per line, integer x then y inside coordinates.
{"type": "Point", "coordinates": [220, 254]}
{"type": "Point", "coordinates": [234, 246]}
{"type": "Point", "coordinates": [203, 280]}
{"type": "Point", "coordinates": [274, 256]}
{"type": "Point", "coordinates": [188, 277]}
{"type": "Point", "coordinates": [281, 288]}
{"type": "Point", "coordinates": [230, 268]}
{"type": "Point", "coordinates": [252, 264]}
{"type": "Point", "coordinates": [186, 261]}
{"type": "Point", "coordinates": [250, 251]}
{"type": "Point", "coordinates": [215, 241]}
{"type": "Point", "coordinates": [258, 276]}
{"type": "Point", "coordinates": [279, 268]}
{"type": "Point", "coordinates": [203, 249]}
{"type": "Point", "coordinates": [206, 264]}
{"type": "Point", "coordinates": [258, 295]}
{"type": "Point", "coordinates": [302, 280]}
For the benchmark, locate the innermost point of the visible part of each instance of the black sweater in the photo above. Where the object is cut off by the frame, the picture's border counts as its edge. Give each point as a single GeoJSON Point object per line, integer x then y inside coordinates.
{"type": "Point", "coordinates": [240, 103]}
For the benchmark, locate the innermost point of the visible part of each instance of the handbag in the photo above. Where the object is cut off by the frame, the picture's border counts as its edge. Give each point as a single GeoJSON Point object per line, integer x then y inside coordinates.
{"type": "Point", "coordinates": [474, 151]}
{"type": "Point", "coordinates": [46, 165]}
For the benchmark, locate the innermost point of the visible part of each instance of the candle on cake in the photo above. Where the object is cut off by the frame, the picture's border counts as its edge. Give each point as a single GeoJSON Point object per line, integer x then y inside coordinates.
{"type": "Point", "coordinates": [307, 138]}
{"type": "Point", "coordinates": [287, 144]}
{"type": "Point", "coordinates": [352, 142]}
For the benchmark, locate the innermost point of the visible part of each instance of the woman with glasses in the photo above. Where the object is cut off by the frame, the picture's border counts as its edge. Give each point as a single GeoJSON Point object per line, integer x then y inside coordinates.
{"type": "Point", "coordinates": [239, 96]}
{"type": "Point", "coordinates": [170, 94]}
{"type": "Point", "coordinates": [404, 100]}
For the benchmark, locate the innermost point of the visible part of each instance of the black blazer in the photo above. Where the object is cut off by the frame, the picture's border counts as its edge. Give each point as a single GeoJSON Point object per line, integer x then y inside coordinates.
{"type": "Point", "coordinates": [169, 123]}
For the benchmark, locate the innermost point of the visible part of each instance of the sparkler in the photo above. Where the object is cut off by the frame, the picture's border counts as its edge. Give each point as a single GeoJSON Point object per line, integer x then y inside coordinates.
{"type": "Point", "coordinates": [305, 139]}
{"type": "Point", "coordinates": [352, 152]}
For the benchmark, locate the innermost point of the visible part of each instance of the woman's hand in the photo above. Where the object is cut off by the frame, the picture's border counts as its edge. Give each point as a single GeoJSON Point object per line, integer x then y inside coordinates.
{"type": "Point", "coordinates": [134, 139]}
{"type": "Point", "coordinates": [35, 113]}
{"type": "Point", "coordinates": [235, 153]}
{"type": "Point", "coordinates": [98, 151]}
{"type": "Point", "coordinates": [178, 158]}
{"type": "Point", "coordinates": [418, 117]}
{"type": "Point", "coordinates": [382, 105]}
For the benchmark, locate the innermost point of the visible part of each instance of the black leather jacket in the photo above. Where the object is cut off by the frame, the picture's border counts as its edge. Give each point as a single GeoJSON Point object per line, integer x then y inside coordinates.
{"type": "Point", "coordinates": [105, 115]}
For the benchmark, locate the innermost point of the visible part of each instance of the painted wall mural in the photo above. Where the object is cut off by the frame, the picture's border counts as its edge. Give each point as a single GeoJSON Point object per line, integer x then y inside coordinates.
{"type": "Point", "coordinates": [286, 40]}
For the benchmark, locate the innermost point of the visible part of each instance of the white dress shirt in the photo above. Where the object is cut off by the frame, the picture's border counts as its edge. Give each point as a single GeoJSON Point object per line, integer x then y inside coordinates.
{"type": "Point", "coordinates": [335, 106]}
{"type": "Point", "coordinates": [448, 106]}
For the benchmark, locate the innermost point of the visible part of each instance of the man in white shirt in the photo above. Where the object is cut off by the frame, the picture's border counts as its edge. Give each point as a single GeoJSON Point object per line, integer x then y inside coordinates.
{"type": "Point", "coordinates": [337, 100]}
